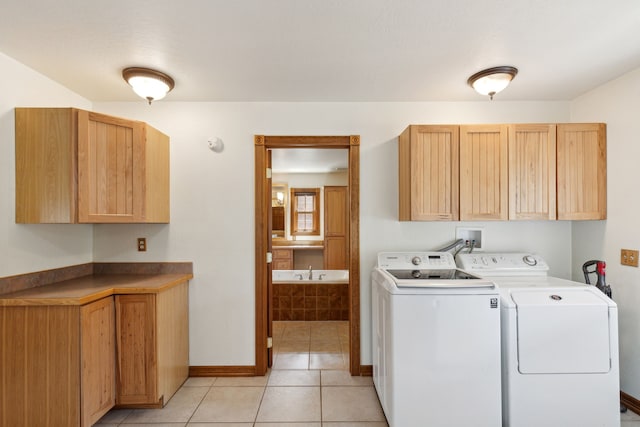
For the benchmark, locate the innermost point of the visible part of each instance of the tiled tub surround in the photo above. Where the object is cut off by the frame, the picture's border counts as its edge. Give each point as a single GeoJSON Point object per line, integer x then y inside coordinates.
{"type": "Point", "coordinates": [310, 301]}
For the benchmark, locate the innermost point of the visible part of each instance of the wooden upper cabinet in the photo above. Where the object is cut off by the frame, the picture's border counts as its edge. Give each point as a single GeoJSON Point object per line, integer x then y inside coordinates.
{"type": "Point", "coordinates": [483, 172]}
{"type": "Point", "coordinates": [582, 171]}
{"type": "Point", "coordinates": [532, 172]}
{"type": "Point", "coordinates": [78, 166]}
{"type": "Point", "coordinates": [428, 166]}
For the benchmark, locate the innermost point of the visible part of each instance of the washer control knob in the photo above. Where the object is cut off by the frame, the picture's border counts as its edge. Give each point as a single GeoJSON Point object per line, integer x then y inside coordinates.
{"type": "Point", "coordinates": [416, 260]}
{"type": "Point", "coordinates": [529, 260]}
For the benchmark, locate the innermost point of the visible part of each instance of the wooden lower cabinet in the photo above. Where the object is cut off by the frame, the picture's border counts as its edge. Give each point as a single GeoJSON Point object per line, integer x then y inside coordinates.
{"type": "Point", "coordinates": [58, 364]}
{"type": "Point", "coordinates": [282, 259]}
{"type": "Point", "coordinates": [336, 255]}
{"type": "Point", "coordinates": [68, 365]}
{"type": "Point", "coordinates": [153, 346]}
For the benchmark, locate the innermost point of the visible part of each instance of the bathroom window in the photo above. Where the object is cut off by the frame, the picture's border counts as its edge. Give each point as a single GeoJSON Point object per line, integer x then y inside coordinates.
{"type": "Point", "coordinates": [305, 211]}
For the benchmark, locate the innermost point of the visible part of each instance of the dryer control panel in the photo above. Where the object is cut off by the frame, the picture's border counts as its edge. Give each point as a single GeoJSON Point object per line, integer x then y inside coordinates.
{"type": "Point", "coordinates": [503, 264]}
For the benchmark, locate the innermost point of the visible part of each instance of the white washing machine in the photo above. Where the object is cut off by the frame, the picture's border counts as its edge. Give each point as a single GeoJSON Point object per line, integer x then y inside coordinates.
{"type": "Point", "coordinates": [436, 342]}
{"type": "Point", "coordinates": [559, 345]}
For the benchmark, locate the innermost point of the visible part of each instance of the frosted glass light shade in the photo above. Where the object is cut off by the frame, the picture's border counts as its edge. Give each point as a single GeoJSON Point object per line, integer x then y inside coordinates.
{"type": "Point", "coordinates": [492, 80]}
{"type": "Point", "coordinates": [148, 84]}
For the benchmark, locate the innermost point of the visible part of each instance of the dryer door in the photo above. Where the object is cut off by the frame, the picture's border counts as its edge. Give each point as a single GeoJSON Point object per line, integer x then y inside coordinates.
{"type": "Point", "coordinates": [562, 331]}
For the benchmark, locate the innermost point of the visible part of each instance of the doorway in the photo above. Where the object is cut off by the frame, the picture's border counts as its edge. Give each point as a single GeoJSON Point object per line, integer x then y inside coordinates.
{"type": "Point", "coordinates": [263, 202]}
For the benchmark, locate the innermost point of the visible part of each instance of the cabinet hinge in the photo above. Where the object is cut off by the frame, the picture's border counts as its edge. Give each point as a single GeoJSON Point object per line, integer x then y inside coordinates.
{"type": "Point", "coordinates": [269, 257]}
{"type": "Point", "coordinates": [269, 342]}
{"type": "Point", "coordinates": [268, 173]}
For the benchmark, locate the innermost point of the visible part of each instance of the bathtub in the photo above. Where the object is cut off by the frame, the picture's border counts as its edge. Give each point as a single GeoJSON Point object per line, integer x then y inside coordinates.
{"type": "Point", "coordinates": [326, 297]}
{"type": "Point", "coordinates": [302, 276]}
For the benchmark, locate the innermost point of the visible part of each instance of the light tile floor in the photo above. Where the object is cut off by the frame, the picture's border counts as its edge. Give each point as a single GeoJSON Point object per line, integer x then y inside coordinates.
{"type": "Point", "coordinates": [308, 386]}
{"type": "Point", "coordinates": [629, 419]}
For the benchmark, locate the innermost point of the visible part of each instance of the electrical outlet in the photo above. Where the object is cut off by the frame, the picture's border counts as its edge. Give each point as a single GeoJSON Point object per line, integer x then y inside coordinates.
{"type": "Point", "coordinates": [142, 244]}
{"type": "Point", "coordinates": [629, 257]}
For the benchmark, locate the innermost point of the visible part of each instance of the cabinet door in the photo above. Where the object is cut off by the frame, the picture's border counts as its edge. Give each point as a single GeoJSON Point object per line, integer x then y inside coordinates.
{"type": "Point", "coordinates": [111, 169]}
{"type": "Point", "coordinates": [335, 211]}
{"type": "Point", "coordinates": [532, 172]}
{"type": "Point", "coordinates": [428, 157]}
{"type": "Point", "coordinates": [336, 228]}
{"type": "Point", "coordinates": [582, 171]}
{"type": "Point", "coordinates": [282, 259]}
{"type": "Point", "coordinates": [98, 352]}
{"type": "Point", "coordinates": [336, 255]}
{"type": "Point", "coordinates": [483, 172]}
{"type": "Point", "coordinates": [137, 361]}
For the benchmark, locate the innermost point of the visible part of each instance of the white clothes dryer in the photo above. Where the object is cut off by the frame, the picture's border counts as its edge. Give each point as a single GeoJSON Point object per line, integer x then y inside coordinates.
{"type": "Point", "coordinates": [559, 345]}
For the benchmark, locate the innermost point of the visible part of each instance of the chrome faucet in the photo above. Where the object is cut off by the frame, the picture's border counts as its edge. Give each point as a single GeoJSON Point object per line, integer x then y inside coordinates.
{"type": "Point", "coordinates": [310, 273]}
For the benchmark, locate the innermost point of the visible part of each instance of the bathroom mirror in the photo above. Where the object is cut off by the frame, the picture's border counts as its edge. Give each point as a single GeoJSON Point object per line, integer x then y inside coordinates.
{"type": "Point", "coordinates": [279, 196]}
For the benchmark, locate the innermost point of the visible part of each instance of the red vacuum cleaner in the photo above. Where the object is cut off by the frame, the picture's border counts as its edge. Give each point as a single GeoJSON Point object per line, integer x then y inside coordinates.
{"type": "Point", "coordinates": [601, 284]}
{"type": "Point", "coordinates": [599, 270]}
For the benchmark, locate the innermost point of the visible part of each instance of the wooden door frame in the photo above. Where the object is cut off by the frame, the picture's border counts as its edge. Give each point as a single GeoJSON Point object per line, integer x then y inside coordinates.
{"type": "Point", "coordinates": [262, 144]}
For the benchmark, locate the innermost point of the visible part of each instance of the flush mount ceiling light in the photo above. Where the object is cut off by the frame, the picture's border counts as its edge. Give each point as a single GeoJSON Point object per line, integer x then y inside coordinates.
{"type": "Point", "coordinates": [492, 80]}
{"type": "Point", "coordinates": [147, 83]}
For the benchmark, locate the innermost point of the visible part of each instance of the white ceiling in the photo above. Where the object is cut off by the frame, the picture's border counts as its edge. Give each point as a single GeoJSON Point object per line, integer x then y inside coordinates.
{"type": "Point", "coordinates": [308, 160]}
{"type": "Point", "coordinates": [325, 50]}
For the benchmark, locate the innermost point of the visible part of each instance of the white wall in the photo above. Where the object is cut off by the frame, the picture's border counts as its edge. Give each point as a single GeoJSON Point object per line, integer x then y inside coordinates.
{"type": "Point", "coordinates": [212, 198]}
{"type": "Point", "coordinates": [616, 103]}
{"type": "Point", "coordinates": [28, 248]}
{"type": "Point", "coordinates": [212, 208]}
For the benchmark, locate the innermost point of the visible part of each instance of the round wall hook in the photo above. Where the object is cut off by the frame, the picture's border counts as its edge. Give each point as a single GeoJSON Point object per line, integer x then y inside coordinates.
{"type": "Point", "coordinates": [215, 144]}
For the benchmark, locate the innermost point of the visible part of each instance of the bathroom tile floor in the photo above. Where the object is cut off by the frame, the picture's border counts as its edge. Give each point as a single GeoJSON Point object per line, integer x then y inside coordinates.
{"type": "Point", "coordinates": [308, 386]}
